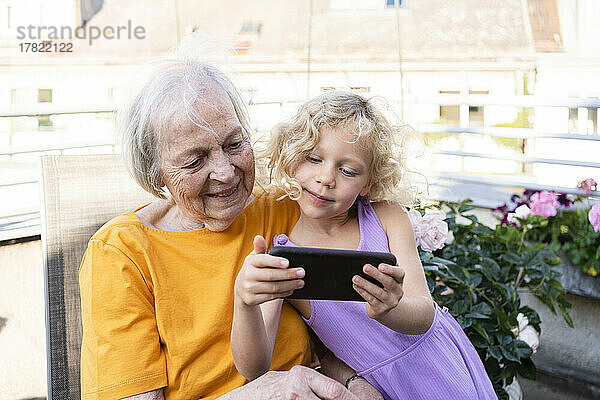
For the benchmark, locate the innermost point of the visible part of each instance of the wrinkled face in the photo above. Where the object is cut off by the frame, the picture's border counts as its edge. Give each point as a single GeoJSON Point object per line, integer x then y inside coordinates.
{"type": "Point", "coordinates": [210, 174]}
{"type": "Point", "coordinates": [333, 174]}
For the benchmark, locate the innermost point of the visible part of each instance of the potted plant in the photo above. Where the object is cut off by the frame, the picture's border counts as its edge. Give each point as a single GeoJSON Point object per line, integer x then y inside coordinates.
{"type": "Point", "coordinates": [476, 275]}
{"type": "Point", "coordinates": [568, 224]}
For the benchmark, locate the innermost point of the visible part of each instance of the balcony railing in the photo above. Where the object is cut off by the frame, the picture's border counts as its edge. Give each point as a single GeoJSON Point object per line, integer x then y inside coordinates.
{"type": "Point", "coordinates": [485, 190]}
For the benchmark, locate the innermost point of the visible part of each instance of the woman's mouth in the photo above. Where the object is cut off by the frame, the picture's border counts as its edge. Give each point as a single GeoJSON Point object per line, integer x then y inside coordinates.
{"type": "Point", "coordinates": [224, 194]}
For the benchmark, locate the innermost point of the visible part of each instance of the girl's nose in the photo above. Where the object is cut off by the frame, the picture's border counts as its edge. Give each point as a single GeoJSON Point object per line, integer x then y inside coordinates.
{"type": "Point", "coordinates": [325, 177]}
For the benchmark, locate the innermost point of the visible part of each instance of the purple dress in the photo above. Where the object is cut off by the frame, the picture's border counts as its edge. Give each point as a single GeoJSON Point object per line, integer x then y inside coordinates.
{"type": "Point", "coordinates": [439, 364]}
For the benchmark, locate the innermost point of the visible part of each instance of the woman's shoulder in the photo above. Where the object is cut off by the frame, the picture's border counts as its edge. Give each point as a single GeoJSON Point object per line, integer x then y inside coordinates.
{"type": "Point", "coordinates": [273, 201]}
{"type": "Point", "coordinates": [118, 229]}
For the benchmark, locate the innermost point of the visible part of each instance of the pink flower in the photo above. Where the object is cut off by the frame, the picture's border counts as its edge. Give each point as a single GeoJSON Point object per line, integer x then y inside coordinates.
{"type": "Point", "coordinates": [526, 332]}
{"type": "Point", "coordinates": [594, 217]}
{"type": "Point", "coordinates": [530, 336]}
{"type": "Point", "coordinates": [431, 231]}
{"type": "Point", "coordinates": [544, 203]}
{"type": "Point", "coordinates": [588, 185]}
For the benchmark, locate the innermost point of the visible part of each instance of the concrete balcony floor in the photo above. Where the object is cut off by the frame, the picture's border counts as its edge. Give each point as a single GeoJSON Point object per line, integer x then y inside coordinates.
{"type": "Point", "coordinates": [22, 322]}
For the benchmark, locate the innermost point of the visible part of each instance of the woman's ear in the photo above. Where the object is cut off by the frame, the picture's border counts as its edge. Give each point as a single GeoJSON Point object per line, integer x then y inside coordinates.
{"type": "Point", "coordinates": [160, 181]}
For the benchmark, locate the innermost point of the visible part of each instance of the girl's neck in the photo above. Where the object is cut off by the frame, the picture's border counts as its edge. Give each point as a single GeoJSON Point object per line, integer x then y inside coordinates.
{"type": "Point", "coordinates": [341, 231]}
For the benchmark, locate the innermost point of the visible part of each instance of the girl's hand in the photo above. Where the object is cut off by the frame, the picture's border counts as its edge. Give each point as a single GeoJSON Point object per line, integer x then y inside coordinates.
{"type": "Point", "coordinates": [380, 301]}
{"type": "Point", "coordinates": [264, 277]}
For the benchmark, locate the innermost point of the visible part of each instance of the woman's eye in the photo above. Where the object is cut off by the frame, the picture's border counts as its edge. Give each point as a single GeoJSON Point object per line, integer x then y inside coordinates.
{"type": "Point", "coordinates": [235, 145]}
{"type": "Point", "coordinates": [196, 163]}
{"type": "Point", "coordinates": [312, 159]}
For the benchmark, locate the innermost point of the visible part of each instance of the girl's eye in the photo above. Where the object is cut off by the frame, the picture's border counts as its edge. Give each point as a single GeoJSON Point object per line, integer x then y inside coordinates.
{"type": "Point", "coordinates": [312, 159]}
{"type": "Point", "coordinates": [347, 172]}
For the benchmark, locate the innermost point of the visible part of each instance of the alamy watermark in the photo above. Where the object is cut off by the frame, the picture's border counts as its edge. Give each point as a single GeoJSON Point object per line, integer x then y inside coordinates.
{"type": "Point", "coordinates": [44, 33]}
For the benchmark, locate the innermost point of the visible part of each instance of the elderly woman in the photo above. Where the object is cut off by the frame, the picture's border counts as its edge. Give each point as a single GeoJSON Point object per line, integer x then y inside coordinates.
{"type": "Point", "coordinates": [157, 283]}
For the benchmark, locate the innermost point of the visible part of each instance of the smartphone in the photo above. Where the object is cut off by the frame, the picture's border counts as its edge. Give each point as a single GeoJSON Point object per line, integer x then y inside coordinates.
{"type": "Point", "coordinates": [329, 272]}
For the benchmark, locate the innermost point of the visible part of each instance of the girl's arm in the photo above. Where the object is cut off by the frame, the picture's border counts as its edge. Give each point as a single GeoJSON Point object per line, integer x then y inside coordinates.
{"type": "Point", "coordinates": [404, 304]}
{"type": "Point", "coordinates": [259, 287]}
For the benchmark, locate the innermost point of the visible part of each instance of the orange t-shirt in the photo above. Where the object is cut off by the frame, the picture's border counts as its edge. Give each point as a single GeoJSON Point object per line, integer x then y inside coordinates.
{"type": "Point", "coordinates": [157, 306]}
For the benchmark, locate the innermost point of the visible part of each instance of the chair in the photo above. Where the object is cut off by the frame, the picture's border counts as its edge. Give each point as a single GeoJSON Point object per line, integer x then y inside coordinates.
{"type": "Point", "coordinates": [80, 194]}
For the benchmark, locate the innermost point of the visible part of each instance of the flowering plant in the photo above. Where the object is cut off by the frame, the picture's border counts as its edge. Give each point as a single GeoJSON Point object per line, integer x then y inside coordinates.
{"type": "Point", "coordinates": [566, 223]}
{"type": "Point", "coordinates": [476, 274]}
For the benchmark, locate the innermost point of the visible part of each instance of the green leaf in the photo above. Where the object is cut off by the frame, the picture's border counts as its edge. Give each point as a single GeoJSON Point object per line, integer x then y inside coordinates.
{"type": "Point", "coordinates": [513, 258]}
{"type": "Point", "coordinates": [482, 308]}
{"type": "Point", "coordinates": [464, 322]}
{"type": "Point", "coordinates": [509, 351]}
{"type": "Point", "coordinates": [527, 369]}
{"type": "Point", "coordinates": [476, 315]}
{"type": "Point", "coordinates": [478, 328]}
{"type": "Point", "coordinates": [495, 352]}
{"type": "Point", "coordinates": [460, 307]}
{"type": "Point", "coordinates": [523, 349]}
{"type": "Point", "coordinates": [566, 317]}
{"type": "Point", "coordinates": [491, 266]}
{"type": "Point", "coordinates": [480, 229]}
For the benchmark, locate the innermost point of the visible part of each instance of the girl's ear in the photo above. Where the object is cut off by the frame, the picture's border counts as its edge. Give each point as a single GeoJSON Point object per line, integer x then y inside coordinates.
{"type": "Point", "coordinates": [365, 190]}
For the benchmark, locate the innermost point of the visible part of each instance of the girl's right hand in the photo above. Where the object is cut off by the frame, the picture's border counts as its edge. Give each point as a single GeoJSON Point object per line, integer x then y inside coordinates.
{"type": "Point", "coordinates": [264, 277]}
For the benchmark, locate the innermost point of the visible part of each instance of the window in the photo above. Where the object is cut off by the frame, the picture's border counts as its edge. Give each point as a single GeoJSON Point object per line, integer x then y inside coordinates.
{"type": "Point", "coordinates": [476, 113]}
{"type": "Point", "coordinates": [592, 125]}
{"type": "Point", "coordinates": [361, 90]}
{"type": "Point", "coordinates": [393, 3]}
{"type": "Point", "coordinates": [44, 121]}
{"type": "Point", "coordinates": [361, 4]}
{"type": "Point", "coordinates": [44, 95]}
{"type": "Point", "coordinates": [450, 114]}
{"type": "Point", "coordinates": [19, 96]}
{"type": "Point", "coordinates": [573, 119]}
{"type": "Point", "coordinates": [250, 27]}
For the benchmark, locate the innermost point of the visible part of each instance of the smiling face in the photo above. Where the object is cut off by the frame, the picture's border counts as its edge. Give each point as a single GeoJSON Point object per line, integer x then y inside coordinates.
{"type": "Point", "coordinates": [333, 174]}
{"type": "Point", "coordinates": [209, 174]}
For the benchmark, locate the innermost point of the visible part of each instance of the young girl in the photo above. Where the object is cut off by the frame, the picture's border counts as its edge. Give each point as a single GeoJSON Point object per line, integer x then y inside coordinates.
{"type": "Point", "coordinates": [338, 158]}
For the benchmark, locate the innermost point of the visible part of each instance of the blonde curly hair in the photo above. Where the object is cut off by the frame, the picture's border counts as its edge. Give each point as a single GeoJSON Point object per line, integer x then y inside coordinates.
{"type": "Point", "coordinates": [293, 140]}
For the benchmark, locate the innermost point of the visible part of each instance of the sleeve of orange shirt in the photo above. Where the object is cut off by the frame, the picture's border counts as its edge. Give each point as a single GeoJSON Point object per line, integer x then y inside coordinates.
{"type": "Point", "coordinates": [121, 353]}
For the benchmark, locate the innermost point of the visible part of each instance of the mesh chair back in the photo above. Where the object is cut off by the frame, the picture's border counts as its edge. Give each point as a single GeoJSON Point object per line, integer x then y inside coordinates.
{"type": "Point", "coordinates": [80, 194]}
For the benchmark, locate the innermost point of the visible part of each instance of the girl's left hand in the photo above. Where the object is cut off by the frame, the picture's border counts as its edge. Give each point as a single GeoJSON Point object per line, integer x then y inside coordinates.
{"type": "Point", "coordinates": [380, 301]}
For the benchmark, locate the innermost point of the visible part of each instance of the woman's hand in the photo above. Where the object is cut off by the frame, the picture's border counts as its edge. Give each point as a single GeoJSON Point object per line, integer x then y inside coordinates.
{"type": "Point", "coordinates": [380, 301]}
{"type": "Point", "coordinates": [364, 390]}
{"type": "Point", "coordinates": [299, 383]}
{"type": "Point", "coordinates": [264, 277]}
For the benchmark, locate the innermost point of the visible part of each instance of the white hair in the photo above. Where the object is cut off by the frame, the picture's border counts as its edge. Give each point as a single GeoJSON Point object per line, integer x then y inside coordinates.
{"type": "Point", "coordinates": [166, 89]}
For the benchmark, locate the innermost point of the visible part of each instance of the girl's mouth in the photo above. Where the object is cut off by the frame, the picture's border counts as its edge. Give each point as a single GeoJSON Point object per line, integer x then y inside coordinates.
{"type": "Point", "coordinates": [318, 198]}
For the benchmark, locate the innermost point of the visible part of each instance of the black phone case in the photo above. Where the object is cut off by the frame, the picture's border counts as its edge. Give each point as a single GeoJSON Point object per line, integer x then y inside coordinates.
{"type": "Point", "coordinates": [329, 272]}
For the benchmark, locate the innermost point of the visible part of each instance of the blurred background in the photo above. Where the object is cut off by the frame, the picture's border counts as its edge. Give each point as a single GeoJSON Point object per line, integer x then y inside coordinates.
{"type": "Point", "coordinates": [504, 93]}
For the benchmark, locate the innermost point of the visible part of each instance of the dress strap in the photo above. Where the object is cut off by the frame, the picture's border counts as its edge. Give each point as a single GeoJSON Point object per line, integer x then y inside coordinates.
{"type": "Point", "coordinates": [372, 234]}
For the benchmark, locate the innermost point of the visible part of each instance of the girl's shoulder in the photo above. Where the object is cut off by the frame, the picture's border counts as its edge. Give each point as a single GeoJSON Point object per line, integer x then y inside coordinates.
{"type": "Point", "coordinates": [389, 209]}
{"type": "Point", "coordinates": [392, 215]}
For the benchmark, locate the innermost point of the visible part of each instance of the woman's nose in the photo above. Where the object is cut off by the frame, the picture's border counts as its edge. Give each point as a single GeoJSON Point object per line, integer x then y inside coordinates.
{"type": "Point", "coordinates": [222, 169]}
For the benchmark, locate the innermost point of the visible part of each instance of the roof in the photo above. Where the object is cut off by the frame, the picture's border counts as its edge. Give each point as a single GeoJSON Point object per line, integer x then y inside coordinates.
{"type": "Point", "coordinates": [278, 31]}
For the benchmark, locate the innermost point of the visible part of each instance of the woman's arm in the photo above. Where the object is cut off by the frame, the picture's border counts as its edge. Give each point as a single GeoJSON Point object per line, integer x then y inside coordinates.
{"type": "Point", "coordinates": [300, 383]}
{"type": "Point", "coordinates": [336, 369]}
{"type": "Point", "coordinates": [259, 287]}
{"type": "Point", "coordinates": [404, 304]}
